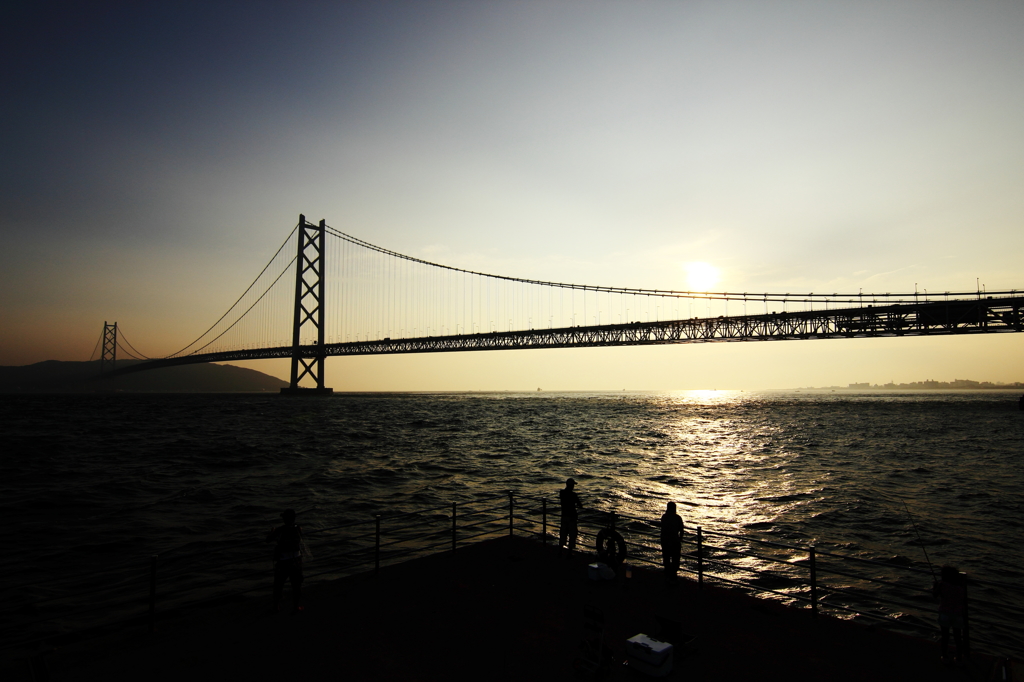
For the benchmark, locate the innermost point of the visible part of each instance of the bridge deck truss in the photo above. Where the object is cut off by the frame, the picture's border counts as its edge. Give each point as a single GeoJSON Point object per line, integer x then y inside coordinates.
{"type": "Point", "coordinates": [961, 316]}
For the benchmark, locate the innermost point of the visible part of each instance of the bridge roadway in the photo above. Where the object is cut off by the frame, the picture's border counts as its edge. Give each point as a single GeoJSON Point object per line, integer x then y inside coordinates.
{"type": "Point", "coordinates": [957, 316]}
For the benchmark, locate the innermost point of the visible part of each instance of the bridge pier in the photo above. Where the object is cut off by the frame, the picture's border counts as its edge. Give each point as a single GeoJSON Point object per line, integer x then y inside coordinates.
{"type": "Point", "coordinates": [307, 391]}
{"type": "Point", "coordinates": [310, 278]}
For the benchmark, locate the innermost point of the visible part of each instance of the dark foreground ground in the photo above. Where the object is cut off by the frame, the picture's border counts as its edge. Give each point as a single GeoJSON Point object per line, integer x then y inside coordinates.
{"type": "Point", "coordinates": [506, 609]}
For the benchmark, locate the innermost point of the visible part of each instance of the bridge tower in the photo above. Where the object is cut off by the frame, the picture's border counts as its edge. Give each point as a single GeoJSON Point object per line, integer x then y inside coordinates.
{"type": "Point", "coordinates": [109, 352]}
{"type": "Point", "coordinates": [310, 281]}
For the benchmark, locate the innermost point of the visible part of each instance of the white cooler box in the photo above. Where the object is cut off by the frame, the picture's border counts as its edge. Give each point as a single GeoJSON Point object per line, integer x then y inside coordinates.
{"type": "Point", "coordinates": [599, 571]}
{"type": "Point", "coordinates": [649, 656]}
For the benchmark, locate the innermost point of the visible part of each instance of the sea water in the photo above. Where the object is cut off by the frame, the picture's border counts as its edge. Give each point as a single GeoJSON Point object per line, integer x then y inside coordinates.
{"type": "Point", "coordinates": [91, 486]}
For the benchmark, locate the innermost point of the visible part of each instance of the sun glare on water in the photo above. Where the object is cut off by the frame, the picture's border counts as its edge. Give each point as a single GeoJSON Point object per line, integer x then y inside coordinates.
{"type": "Point", "coordinates": [701, 276]}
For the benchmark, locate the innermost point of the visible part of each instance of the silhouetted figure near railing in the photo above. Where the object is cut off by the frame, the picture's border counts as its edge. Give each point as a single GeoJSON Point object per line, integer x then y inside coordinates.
{"type": "Point", "coordinates": [951, 590]}
{"type": "Point", "coordinates": [570, 502]}
{"type": "Point", "coordinates": [287, 559]}
{"type": "Point", "coordinates": [671, 541]}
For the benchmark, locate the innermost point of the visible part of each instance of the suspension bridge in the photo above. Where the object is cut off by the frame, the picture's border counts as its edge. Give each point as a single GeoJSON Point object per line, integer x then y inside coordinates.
{"type": "Point", "coordinates": [333, 295]}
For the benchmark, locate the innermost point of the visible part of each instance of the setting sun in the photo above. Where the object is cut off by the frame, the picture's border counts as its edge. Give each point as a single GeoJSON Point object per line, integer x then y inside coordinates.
{"type": "Point", "coordinates": [701, 276]}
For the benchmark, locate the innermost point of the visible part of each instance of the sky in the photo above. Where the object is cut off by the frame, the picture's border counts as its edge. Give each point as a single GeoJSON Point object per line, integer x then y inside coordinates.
{"type": "Point", "coordinates": [154, 155]}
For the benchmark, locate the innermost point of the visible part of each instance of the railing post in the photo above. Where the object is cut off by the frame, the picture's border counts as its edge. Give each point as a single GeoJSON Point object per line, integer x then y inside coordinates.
{"type": "Point", "coordinates": [814, 583]}
{"type": "Point", "coordinates": [152, 593]}
{"type": "Point", "coordinates": [613, 520]}
{"type": "Point", "coordinates": [544, 520]}
{"type": "Point", "coordinates": [510, 505]}
{"type": "Point", "coordinates": [376, 545]}
{"type": "Point", "coordinates": [700, 557]}
{"type": "Point", "coordinates": [454, 509]}
{"type": "Point", "coordinates": [967, 625]}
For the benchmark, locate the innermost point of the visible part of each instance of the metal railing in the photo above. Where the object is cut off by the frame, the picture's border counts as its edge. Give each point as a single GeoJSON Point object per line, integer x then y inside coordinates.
{"type": "Point", "coordinates": [138, 592]}
{"type": "Point", "coordinates": [891, 594]}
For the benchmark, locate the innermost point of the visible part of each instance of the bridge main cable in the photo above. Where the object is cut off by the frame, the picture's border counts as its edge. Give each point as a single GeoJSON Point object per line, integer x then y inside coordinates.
{"type": "Point", "coordinates": [669, 293]}
{"type": "Point", "coordinates": [232, 307]}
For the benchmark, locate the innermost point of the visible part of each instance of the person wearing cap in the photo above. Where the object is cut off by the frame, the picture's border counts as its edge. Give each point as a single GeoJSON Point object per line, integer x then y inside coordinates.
{"type": "Point", "coordinates": [287, 559]}
{"type": "Point", "coordinates": [570, 502]}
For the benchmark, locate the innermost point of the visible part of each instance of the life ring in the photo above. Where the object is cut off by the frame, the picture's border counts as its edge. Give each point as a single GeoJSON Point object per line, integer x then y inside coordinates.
{"type": "Point", "coordinates": [611, 548]}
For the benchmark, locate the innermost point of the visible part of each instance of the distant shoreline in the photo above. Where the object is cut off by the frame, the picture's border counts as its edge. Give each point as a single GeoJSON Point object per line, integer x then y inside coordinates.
{"type": "Point", "coordinates": [956, 385]}
{"type": "Point", "coordinates": [53, 376]}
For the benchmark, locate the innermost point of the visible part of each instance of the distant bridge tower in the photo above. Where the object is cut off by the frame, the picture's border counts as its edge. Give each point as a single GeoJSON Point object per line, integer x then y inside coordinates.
{"type": "Point", "coordinates": [109, 352]}
{"type": "Point", "coordinates": [310, 280]}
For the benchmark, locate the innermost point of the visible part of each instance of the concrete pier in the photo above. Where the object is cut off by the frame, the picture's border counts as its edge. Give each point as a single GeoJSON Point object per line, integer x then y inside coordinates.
{"type": "Point", "coordinates": [504, 609]}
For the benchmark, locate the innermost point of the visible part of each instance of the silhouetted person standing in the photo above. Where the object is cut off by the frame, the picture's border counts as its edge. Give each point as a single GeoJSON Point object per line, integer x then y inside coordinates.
{"type": "Point", "coordinates": [287, 559]}
{"type": "Point", "coordinates": [951, 591]}
{"type": "Point", "coordinates": [570, 502]}
{"type": "Point", "coordinates": [671, 540]}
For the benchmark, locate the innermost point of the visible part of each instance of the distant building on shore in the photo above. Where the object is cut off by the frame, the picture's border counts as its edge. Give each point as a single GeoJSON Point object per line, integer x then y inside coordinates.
{"type": "Point", "coordinates": [931, 384]}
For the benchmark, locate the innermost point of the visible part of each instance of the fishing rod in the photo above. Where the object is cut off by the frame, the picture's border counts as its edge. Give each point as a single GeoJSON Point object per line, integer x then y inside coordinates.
{"type": "Point", "coordinates": [919, 540]}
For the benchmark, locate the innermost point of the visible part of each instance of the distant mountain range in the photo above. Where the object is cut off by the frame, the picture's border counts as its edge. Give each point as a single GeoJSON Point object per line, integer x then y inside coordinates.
{"type": "Point", "coordinates": [78, 377]}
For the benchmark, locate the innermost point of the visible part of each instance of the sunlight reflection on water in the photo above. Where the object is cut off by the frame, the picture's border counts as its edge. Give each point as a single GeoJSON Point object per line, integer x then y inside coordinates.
{"type": "Point", "coordinates": [829, 469]}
